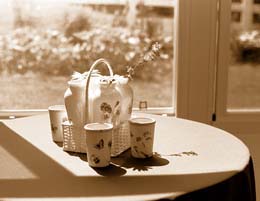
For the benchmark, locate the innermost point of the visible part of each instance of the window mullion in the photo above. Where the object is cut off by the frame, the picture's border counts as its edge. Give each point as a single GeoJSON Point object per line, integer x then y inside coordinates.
{"type": "Point", "coordinates": [197, 24]}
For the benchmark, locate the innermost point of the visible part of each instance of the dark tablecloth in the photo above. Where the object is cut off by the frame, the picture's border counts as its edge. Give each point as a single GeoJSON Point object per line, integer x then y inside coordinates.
{"type": "Point", "coordinates": [240, 187]}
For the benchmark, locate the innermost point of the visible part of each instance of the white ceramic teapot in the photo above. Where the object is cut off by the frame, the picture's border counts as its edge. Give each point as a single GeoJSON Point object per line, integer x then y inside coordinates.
{"type": "Point", "coordinates": [97, 98]}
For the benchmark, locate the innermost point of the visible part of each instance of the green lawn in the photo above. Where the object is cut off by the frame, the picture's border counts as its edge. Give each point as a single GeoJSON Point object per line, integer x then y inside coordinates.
{"type": "Point", "coordinates": [244, 86]}
{"type": "Point", "coordinates": [32, 91]}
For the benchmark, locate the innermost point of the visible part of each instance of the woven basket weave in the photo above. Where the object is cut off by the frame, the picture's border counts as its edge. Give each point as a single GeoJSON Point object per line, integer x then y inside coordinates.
{"type": "Point", "coordinates": [77, 142]}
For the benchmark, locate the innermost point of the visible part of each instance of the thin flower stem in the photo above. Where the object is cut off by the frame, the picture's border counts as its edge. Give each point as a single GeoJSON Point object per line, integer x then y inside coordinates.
{"type": "Point", "coordinates": [150, 55]}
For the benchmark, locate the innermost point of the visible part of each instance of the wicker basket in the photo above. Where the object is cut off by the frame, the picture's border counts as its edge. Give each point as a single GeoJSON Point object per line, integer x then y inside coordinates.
{"type": "Point", "coordinates": [76, 141]}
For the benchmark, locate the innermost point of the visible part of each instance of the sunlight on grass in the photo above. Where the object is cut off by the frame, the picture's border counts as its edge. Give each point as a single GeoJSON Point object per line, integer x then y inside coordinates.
{"type": "Point", "coordinates": [35, 91]}
{"type": "Point", "coordinates": [243, 86]}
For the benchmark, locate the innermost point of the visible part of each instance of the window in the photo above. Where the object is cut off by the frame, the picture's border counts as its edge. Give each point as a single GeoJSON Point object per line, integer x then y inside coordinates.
{"type": "Point", "coordinates": [39, 52]}
{"type": "Point", "coordinates": [203, 79]}
{"type": "Point", "coordinates": [202, 52]}
{"type": "Point", "coordinates": [237, 86]}
{"type": "Point", "coordinates": [236, 1]}
{"type": "Point", "coordinates": [236, 16]}
{"type": "Point", "coordinates": [256, 18]}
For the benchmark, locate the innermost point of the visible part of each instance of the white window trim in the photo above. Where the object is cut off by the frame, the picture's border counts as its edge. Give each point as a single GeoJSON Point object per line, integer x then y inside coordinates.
{"type": "Point", "coordinates": [196, 59]}
{"type": "Point", "coordinates": [202, 61]}
{"type": "Point", "coordinates": [5, 114]}
{"type": "Point", "coordinates": [238, 121]}
{"type": "Point", "coordinates": [164, 3]}
{"type": "Point", "coordinates": [9, 114]}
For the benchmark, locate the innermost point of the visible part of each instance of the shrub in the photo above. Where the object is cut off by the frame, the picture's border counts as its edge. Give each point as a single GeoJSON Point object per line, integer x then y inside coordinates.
{"type": "Point", "coordinates": [53, 52]}
{"type": "Point", "coordinates": [245, 46]}
{"type": "Point", "coordinates": [78, 24]}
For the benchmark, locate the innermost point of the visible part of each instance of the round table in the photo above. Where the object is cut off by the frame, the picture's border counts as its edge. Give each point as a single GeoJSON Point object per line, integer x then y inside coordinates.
{"type": "Point", "coordinates": [189, 156]}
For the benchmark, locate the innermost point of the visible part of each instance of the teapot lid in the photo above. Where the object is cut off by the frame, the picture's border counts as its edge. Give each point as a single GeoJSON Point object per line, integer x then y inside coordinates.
{"type": "Point", "coordinates": [80, 78]}
{"type": "Point", "coordinates": [83, 76]}
{"type": "Point", "coordinates": [121, 79]}
{"type": "Point", "coordinates": [107, 81]}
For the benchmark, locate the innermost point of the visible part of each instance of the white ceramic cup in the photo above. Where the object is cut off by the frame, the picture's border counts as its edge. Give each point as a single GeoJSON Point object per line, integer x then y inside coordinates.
{"type": "Point", "coordinates": [57, 115]}
{"type": "Point", "coordinates": [99, 142]}
{"type": "Point", "coordinates": [142, 136]}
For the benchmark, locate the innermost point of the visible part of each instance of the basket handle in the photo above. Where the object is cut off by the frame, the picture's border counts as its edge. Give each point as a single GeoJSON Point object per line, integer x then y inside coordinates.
{"type": "Point", "coordinates": [94, 65]}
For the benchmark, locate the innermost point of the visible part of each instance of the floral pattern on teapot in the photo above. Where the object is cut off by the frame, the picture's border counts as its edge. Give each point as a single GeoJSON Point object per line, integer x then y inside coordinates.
{"type": "Point", "coordinates": [109, 114]}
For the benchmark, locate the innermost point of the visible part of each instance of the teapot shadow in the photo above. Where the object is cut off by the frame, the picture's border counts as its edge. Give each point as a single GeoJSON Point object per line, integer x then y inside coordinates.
{"type": "Point", "coordinates": [125, 160]}
{"type": "Point", "coordinates": [110, 171]}
{"type": "Point", "coordinates": [120, 164]}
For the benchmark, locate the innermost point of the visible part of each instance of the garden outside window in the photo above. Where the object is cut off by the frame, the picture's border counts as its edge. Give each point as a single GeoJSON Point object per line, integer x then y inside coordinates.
{"type": "Point", "coordinates": [39, 52]}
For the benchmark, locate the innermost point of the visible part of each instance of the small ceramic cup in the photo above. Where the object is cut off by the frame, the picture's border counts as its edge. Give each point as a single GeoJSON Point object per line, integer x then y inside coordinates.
{"type": "Point", "coordinates": [99, 142]}
{"type": "Point", "coordinates": [142, 136]}
{"type": "Point", "coordinates": [58, 115]}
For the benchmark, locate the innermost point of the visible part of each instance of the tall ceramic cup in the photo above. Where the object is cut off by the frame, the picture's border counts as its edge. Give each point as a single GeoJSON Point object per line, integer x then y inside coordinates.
{"type": "Point", "coordinates": [142, 136]}
{"type": "Point", "coordinates": [99, 141]}
{"type": "Point", "coordinates": [58, 115]}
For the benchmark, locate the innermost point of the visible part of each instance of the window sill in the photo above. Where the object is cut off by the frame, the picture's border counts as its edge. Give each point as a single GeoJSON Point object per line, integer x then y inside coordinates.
{"type": "Point", "coordinates": [11, 114]}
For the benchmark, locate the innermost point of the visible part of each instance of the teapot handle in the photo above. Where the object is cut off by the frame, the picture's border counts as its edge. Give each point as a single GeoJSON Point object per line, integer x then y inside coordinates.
{"type": "Point", "coordinates": [94, 65]}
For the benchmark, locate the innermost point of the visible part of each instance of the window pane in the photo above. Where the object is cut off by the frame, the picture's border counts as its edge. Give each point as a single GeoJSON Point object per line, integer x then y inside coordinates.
{"type": "Point", "coordinates": [39, 52]}
{"type": "Point", "coordinates": [244, 69]}
{"type": "Point", "coordinates": [236, 16]}
{"type": "Point", "coordinates": [256, 18]}
{"type": "Point", "coordinates": [237, 1]}
{"type": "Point", "coordinates": [257, 1]}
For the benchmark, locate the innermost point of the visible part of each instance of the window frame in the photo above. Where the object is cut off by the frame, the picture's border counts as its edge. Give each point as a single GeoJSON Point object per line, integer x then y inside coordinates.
{"type": "Point", "coordinates": [202, 91]}
{"type": "Point", "coordinates": [196, 70]}
{"type": "Point", "coordinates": [199, 90]}
{"type": "Point", "coordinates": [239, 121]}
{"type": "Point", "coordinates": [193, 89]}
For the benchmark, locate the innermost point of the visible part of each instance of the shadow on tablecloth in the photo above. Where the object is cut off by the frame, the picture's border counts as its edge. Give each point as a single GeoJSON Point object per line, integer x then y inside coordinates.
{"type": "Point", "coordinates": [50, 179]}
